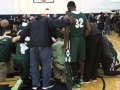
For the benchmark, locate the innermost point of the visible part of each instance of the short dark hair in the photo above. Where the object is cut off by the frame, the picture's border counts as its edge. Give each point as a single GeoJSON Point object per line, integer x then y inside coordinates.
{"type": "Point", "coordinates": [71, 4]}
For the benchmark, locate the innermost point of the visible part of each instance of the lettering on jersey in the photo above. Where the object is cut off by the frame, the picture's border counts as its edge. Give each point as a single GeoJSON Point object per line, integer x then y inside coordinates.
{"type": "Point", "coordinates": [79, 23]}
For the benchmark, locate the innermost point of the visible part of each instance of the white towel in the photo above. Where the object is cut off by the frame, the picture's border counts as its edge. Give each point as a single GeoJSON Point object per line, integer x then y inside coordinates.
{"type": "Point", "coordinates": [23, 48]}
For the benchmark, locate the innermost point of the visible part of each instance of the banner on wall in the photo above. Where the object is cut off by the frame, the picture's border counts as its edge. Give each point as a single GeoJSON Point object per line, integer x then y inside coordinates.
{"type": "Point", "coordinates": [43, 1]}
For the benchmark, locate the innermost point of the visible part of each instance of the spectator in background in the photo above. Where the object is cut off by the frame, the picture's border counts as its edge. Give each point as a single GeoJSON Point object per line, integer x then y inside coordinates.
{"type": "Point", "coordinates": [16, 22]}
{"type": "Point", "coordinates": [91, 17]}
{"type": "Point", "coordinates": [101, 20]}
{"type": "Point", "coordinates": [11, 22]}
{"type": "Point", "coordinates": [115, 19]}
{"type": "Point", "coordinates": [111, 21]}
{"type": "Point", "coordinates": [107, 24]}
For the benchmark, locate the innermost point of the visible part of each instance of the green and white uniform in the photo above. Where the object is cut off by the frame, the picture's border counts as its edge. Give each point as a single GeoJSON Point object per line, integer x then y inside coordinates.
{"type": "Point", "coordinates": [5, 53]}
{"type": "Point", "coordinates": [21, 58]}
{"type": "Point", "coordinates": [77, 36]}
{"type": "Point", "coordinates": [77, 49]}
{"type": "Point", "coordinates": [5, 49]}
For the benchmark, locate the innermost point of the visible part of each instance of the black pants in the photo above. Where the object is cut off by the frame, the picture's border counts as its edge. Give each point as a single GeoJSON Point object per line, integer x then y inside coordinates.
{"type": "Point", "coordinates": [101, 26]}
{"type": "Point", "coordinates": [93, 52]}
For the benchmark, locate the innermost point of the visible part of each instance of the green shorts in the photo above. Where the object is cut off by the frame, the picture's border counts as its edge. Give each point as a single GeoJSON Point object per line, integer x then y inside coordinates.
{"type": "Point", "coordinates": [77, 48]}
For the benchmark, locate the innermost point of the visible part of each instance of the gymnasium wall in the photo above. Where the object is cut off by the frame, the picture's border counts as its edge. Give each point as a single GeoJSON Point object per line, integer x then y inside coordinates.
{"type": "Point", "coordinates": [97, 6]}
{"type": "Point", "coordinates": [28, 7]}
{"type": "Point", "coordinates": [58, 7]}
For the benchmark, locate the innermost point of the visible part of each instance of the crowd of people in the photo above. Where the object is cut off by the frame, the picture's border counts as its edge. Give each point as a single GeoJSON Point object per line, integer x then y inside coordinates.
{"type": "Point", "coordinates": [71, 48]}
{"type": "Point", "coordinates": [106, 22]}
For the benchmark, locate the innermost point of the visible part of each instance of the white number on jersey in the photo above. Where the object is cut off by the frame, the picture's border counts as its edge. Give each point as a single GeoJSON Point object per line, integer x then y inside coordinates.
{"type": "Point", "coordinates": [79, 23]}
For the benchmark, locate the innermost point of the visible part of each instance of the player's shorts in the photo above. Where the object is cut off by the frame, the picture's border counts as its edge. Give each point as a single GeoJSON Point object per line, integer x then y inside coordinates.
{"type": "Point", "coordinates": [21, 59]}
{"type": "Point", "coordinates": [77, 48]}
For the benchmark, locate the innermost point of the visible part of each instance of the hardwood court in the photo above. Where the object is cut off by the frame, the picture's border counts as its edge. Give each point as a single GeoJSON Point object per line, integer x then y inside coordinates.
{"type": "Point", "coordinates": [112, 83]}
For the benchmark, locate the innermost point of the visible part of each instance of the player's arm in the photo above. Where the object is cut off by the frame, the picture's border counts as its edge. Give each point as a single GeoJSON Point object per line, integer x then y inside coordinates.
{"type": "Point", "coordinates": [71, 20]}
{"type": "Point", "coordinates": [88, 28]}
{"type": "Point", "coordinates": [59, 23]}
{"type": "Point", "coordinates": [66, 38]}
{"type": "Point", "coordinates": [15, 39]}
{"type": "Point", "coordinates": [24, 33]}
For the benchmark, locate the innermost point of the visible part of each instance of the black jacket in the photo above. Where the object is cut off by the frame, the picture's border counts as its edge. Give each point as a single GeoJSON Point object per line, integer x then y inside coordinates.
{"type": "Point", "coordinates": [39, 31]}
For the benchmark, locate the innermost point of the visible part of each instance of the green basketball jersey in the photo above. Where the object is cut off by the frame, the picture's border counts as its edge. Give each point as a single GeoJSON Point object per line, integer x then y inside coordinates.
{"type": "Point", "coordinates": [1, 31]}
{"type": "Point", "coordinates": [5, 49]}
{"type": "Point", "coordinates": [77, 29]}
{"type": "Point", "coordinates": [22, 54]}
{"type": "Point", "coordinates": [22, 49]}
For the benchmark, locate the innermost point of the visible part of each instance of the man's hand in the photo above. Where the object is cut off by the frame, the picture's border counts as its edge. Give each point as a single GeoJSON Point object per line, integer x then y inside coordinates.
{"type": "Point", "coordinates": [64, 49]}
{"type": "Point", "coordinates": [66, 17]}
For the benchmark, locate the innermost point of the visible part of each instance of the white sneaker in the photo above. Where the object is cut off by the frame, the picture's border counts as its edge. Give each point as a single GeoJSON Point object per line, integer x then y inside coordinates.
{"type": "Point", "coordinates": [94, 80]}
{"type": "Point", "coordinates": [35, 87]}
{"type": "Point", "coordinates": [49, 87]}
{"type": "Point", "coordinates": [86, 82]}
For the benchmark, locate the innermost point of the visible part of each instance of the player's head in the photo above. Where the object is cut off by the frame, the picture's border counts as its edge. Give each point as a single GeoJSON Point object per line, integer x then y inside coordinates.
{"type": "Point", "coordinates": [71, 5]}
{"type": "Point", "coordinates": [4, 23]}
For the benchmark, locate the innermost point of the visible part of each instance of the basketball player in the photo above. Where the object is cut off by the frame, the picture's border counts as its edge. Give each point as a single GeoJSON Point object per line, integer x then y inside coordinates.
{"type": "Point", "coordinates": [76, 33]}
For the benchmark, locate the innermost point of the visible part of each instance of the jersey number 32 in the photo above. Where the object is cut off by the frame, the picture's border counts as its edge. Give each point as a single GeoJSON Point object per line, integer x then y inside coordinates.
{"type": "Point", "coordinates": [79, 23]}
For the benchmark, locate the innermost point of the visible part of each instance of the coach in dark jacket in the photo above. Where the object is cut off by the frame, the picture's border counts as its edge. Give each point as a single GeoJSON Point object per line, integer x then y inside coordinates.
{"type": "Point", "coordinates": [40, 43]}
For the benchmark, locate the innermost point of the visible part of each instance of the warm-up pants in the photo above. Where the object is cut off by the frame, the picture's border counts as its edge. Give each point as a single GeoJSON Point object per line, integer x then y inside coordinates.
{"type": "Point", "coordinates": [93, 51]}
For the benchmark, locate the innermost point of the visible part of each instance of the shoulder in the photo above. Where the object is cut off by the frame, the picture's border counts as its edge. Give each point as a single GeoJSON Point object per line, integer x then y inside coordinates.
{"type": "Point", "coordinates": [76, 12]}
{"type": "Point", "coordinates": [83, 14]}
{"type": "Point", "coordinates": [6, 40]}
